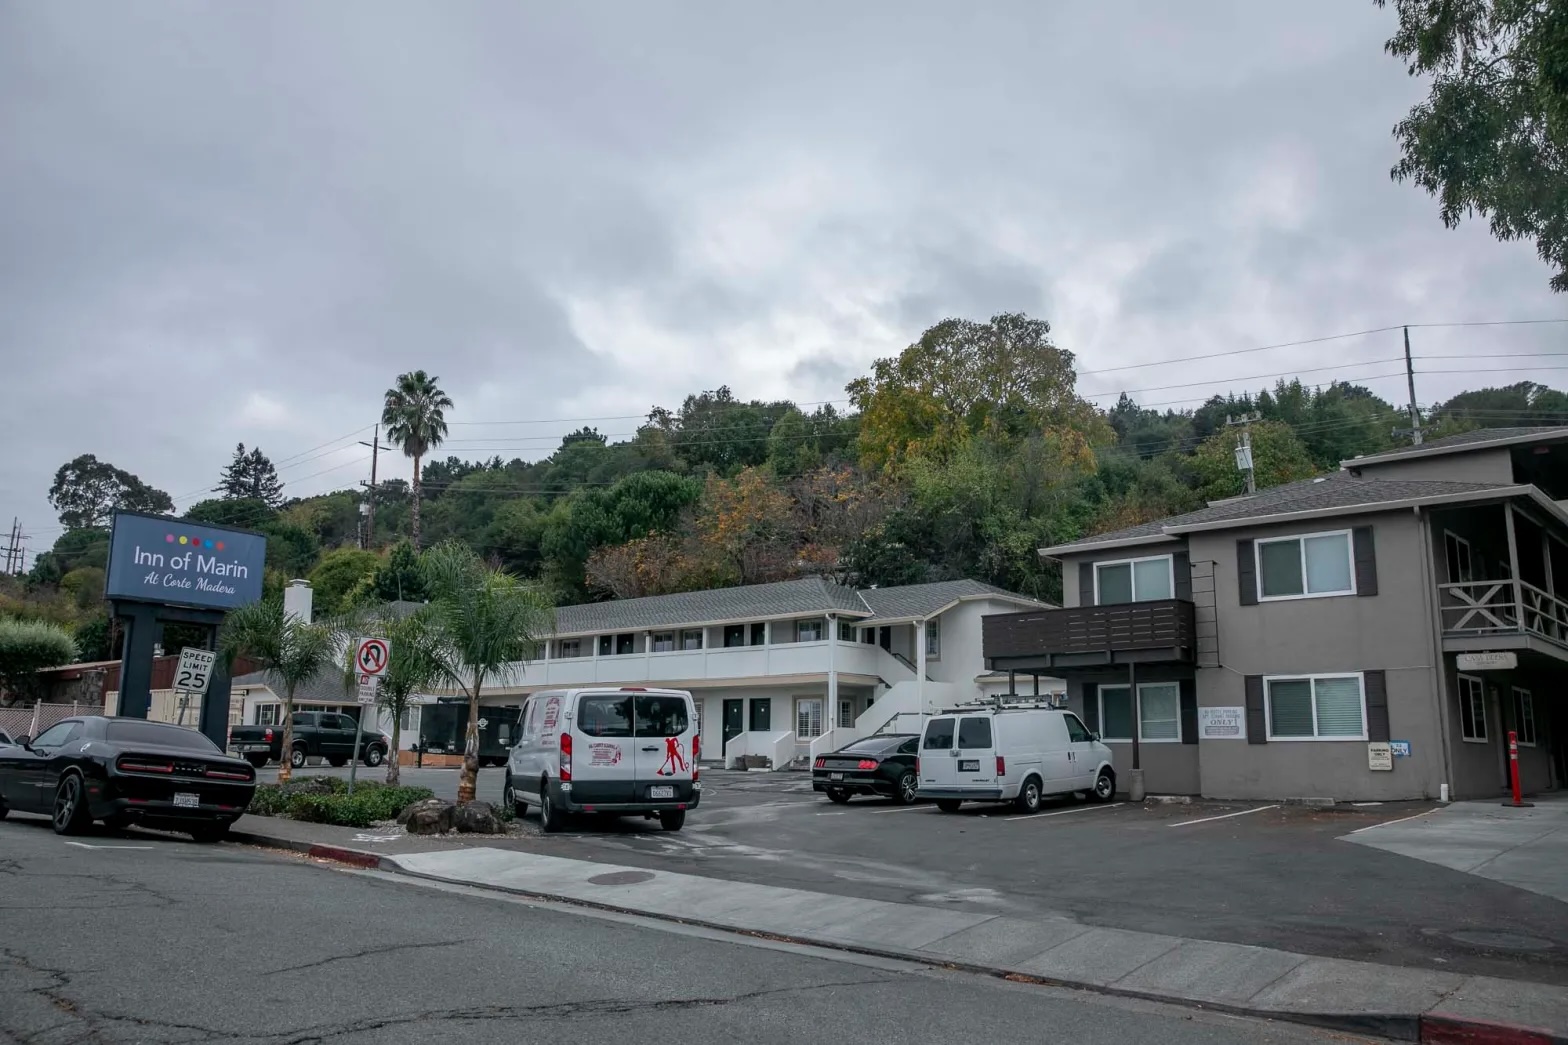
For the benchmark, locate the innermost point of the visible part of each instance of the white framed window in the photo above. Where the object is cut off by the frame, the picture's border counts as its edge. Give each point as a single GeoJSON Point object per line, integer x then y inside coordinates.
{"type": "Point", "coordinates": [846, 714]}
{"type": "Point", "coordinates": [1472, 709]}
{"type": "Point", "coordinates": [1524, 717]}
{"type": "Point", "coordinates": [269, 714]}
{"type": "Point", "coordinates": [808, 717]}
{"type": "Point", "coordinates": [663, 641]}
{"type": "Point", "coordinates": [691, 639]}
{"type": "Point", "coordinates": [1315, 707]}
{"type": "Point", "coordinates": [1456, 552]}
{"type": "Point", "coordinates": [934, 639]}
{"type": "Point", "coordinates": [570, 648]}
{"type": "Point", "coordinates": [1134, 580]}
{"type": "Point", "coordinates": [808, 631]}
{"type": "Point", "coordinates": [1311, 566]}
{"type": "Point", "coordinates": [1159, 707]}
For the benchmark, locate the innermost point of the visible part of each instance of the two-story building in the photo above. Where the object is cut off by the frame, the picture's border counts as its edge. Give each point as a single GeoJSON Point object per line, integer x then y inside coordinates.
{"type": "Point", "coordinates": [787, 669]}
{"type": "Point", "coordinates": [1269, 646]}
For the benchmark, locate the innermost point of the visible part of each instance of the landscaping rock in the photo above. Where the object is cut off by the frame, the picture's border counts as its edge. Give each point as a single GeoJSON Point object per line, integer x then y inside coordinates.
{"type": "Point", "coordinates": [477, 818]}
{"type": "Point", "coordinates": [433, 816]}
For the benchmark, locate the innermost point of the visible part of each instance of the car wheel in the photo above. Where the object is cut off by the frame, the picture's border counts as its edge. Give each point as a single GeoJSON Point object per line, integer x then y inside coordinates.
{"type": "Point", "coordinates": [907, 786]}
{"type": "Point", "coordinates": [948, 805]}
{"type": "Point", "coordinates": [838, 794]}
{"type": "Point", "coordinates": [550, 818]}
{"type": "Point", "coordinates": [3, 811]}
{"type": "Point", "coordinates": [374, 756]}
{"type": "Point", "coordinates": [337, 763]}
{"type": "Point", "coordinates": [256, 761]}
{"type": "Point", "coordinates": [70, 806]}
{"type": "Point", "coordinates": [1028, 800]}
{"type": "Point", "coordinates": [297, 758]}
{"type": "Point", "coordinates": [511, 797]}
{"type": "Point", "coordinates": [1104, 786]}
{"type": "Point", "coordinates": [208, 833]}
{"type": "Point", "coordinates": [675, 819]}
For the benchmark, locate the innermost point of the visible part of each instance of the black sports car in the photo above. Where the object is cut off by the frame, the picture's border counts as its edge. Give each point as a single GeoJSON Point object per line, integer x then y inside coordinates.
{"type": "Point", "coordinates": [879, 765]}
{"type": "Point", "coordinates": [125, 771]}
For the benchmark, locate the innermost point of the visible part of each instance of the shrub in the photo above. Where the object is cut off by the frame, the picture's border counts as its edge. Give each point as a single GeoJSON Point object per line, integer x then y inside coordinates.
{"type": "Point", "coordinates": [325, 800]}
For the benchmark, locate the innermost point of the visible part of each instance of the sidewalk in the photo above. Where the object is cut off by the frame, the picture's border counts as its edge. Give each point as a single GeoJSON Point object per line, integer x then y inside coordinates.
{"type": "Point", "coordinates": [1407, 1004]}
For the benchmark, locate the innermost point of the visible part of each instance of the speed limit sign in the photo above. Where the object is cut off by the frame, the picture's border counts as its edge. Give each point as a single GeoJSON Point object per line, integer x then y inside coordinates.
{"type": "Point", "coordinates": [194, 671]}
{"type": "Point", "coordinates": [371, 656]}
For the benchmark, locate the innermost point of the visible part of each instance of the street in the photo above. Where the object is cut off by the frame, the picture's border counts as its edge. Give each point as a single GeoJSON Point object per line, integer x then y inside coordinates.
{"type": "Point", "coordinates": [145, 938]}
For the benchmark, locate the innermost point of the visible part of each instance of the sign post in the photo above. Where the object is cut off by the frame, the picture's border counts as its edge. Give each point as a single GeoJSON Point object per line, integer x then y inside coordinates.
{"type": "Point", "coordinates": [192, 677]}
{"type": "Point", "coordinates": [1513, 772]}
{"type": "Point", "coordinates": [371, 657]}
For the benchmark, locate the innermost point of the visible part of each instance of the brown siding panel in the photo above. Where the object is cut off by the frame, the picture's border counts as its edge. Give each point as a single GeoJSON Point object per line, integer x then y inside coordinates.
{"type": "Point", "coordinates": [1094, 629]}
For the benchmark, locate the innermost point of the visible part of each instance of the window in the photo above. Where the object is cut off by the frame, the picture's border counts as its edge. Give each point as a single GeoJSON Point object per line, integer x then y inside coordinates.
{"type": "Point", "coordinates": [808, 631]}
{"type": "Point", "coordinates": [974, 734]}
{"type": "Point", "coordinates": [691, 639]}
{"type": "Point", "coordinates": [934, 640]}
{"type": "Point", "coordinates": [1077, 732]}
{"type": "Point", "coordinates": [759, 633]}
{"type": "Point", "coordinates": [664, 642]}
{"type": "Point", "coordinates": [1472, 709]}
{"type": "Point", "coordinates": [605, 647]}
{"type": "Point", "coordinates": [161, 734]}
{"type": "Point", "coordinates": [605, 716]}
{"type": "Point", "coordinates": [909, 747]}
{"type": "Point", "coordinates": [846, 714]}
{"type": "Point", "coordinates": [939, 735]}
{"type": "Point", "coordinates": [846, 631]}
{"type": "Point", "coordinates": [661, 716]}
{"type": "Point", "coordinates": [734, 635]}
{"type": "Point", "coordinates": [571, 648]}
{"type": "Point", "coordinates": [624, 644]}
{"type": "Point", "coordinates": [1306, 567]}
{"type": "Point", "coordinates": [302, 718]}
{"type": "Point", "coordinates": [269, 714]}
{"type": "Point", "coordinates": [868, 636]}
{"type": "Point", "coordinates": [1316, 707]}
{"type": "Point", "coordinates": [1524, 716]}
{"type": "Point", "coordinates": [1456, 550]}
{"type": "Point", "coordinates": [808, 717]}
{"type": "Point", "coordinates": [1133, 580]}
{"type": "Point", "coordinates": [57, 735]}
{"type": "Point", "coordinates": [1159, 706]}
{"type": "Point", "coordinates": [405, 720]}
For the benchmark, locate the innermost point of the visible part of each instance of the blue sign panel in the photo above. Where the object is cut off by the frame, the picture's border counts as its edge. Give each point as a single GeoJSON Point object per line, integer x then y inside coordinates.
{"type": "Point", "coordinates": [1399, 748]}
{"type": "Point", "coordinates": [154, 559]}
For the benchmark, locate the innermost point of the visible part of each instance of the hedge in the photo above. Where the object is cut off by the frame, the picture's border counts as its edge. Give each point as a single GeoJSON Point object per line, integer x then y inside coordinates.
{"type": "Point", "coordinates": [325, 800]}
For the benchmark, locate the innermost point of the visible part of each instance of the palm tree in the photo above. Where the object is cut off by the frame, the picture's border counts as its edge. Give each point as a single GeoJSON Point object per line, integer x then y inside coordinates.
{"type": "Point", "coordinates": [415, 416]}
{"type": "Point", "coordinates": [417, 663]}
{"type": "Point", "coordinates": [285, 647]}
{"type": "Point", "coordinates": [490, 622]}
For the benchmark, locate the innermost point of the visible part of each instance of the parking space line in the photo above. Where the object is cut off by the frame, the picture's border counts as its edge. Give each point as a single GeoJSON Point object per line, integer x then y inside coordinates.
{"type": "Point", "coordinates": [1385, 823]}
{"type": "Point", "coordinates": [905, 809]}
{"type": "Point", "coordinates": [1063, 812]}
{"type": "Point", "coordinates": [1222, 816]}
{"type": "Point", "coordinates": [85, 845]}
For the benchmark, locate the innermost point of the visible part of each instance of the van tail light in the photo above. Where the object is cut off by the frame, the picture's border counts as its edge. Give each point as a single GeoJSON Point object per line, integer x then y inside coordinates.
{"type": "Point", "coordinates": [566, 757]}
{"type": "Point", "coordinates": [1001, 766]}
{"type": "Point", "coordinates": [696, 753]}
{"type": "Point", "coordinates": [917, 766]}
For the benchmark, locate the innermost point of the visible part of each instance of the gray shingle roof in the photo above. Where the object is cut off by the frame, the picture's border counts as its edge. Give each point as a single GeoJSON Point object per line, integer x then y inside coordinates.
{"type": "Point", "coordinates": [919, 600]}
{"type": "Point", "coordinates": [1464, 440]}
{"type": "Point", "coordinates": [1336, 490]}
{"type": "Point", "coordinates": [322, 687]}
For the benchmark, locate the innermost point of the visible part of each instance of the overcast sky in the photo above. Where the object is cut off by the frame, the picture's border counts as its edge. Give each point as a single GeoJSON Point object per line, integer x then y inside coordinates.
{"type": "Point", "coordinates": [238, 222]}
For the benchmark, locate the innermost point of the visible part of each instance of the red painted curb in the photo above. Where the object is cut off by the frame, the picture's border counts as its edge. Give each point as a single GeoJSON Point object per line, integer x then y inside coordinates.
{"type": "Point", "coordinates": [344, 856]}
{"type": "Point", "coordinates": [1455, 1030]}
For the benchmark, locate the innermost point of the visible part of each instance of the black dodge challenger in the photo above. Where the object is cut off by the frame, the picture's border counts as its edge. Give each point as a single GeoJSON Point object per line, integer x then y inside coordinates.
{"type": "Point", "coordinates": [125, 771]}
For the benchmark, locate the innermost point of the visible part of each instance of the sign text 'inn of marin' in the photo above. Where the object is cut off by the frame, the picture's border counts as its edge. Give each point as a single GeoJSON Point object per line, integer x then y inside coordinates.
{"type": "Point", "coordinates": [154, 559]}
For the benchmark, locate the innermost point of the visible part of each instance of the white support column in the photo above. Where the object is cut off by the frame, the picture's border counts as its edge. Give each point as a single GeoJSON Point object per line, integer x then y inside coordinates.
{"type": "Point", "coordinates": [1513, 563]}
{"type": "Point", "coordinates": [920, 662]}
{"type": "Point", "coordinates": [830, 713]}
{"type": "Point", "coordinates": [594, 639]}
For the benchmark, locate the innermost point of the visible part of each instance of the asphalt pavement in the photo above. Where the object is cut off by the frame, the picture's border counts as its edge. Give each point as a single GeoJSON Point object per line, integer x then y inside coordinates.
{"type": "Point", "coordinates": [144, 938]}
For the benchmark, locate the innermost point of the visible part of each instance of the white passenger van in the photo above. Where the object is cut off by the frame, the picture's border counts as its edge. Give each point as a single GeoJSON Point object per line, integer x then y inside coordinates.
{"type": "Point", "coordinates": [604, 750]}
{"type": "Point", "coordinates": [1011, 754]}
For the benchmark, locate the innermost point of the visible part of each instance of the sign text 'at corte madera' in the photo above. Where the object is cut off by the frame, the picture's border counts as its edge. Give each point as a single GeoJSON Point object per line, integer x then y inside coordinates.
{"type": "Point", "coordinates": [154, 559]}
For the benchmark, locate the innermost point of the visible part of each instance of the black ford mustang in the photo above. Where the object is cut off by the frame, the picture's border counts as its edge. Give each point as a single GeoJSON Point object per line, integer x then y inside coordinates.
{"type": "Point", "coordinates": [877, 765]}
{"type": "Point", "coordinates": [125, 771]}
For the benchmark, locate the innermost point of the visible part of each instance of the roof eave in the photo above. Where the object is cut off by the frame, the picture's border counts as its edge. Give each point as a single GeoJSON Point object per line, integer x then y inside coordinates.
{"type": "Point", "coordinates": [1556, 435]}
{"type": "Point", "coordinates": [1089, 546]}
{"type": "Point", "coordinates": [1498, 493]}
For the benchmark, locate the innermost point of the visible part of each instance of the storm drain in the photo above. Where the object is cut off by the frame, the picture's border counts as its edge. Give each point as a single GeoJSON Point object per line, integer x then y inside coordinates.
{"type": "Point", "coordinates": [1498, 941]}
{"type": "Point", "coordinates": [621, 878]}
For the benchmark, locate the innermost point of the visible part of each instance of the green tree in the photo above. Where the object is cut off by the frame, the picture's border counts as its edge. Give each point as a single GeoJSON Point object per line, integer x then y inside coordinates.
{"type": "Point", "coordinates": [1525, 403]}
{"type": "Point", "coordinates": [27, 647]}
{"type": "Point", "coordinates": [247, 513]}
{"type": "Point", "coordinates": [1492, 136]}
{"type": "Point", "coordinates": [490, 622]}
{"type": "Point", "coordinates": [291, 550]}
{"type": "Point", "coordinates": [250, 476]}
{"type": "Point", "coordinates": [84, 585]}
{"type": "Point", "coordinates": [291, 651]}
{"type": "Point", "coordinates": [399, 578]}
{"type": "Point", "coordinates": [97, 638]}
{"type": "Point", "coordinates": [337, 575]}
{"type": "Point", "coordinates": [415, 415]}
{"type": "Point", "coordinates": [1277, 457]}
{"type": "Point", "coordinates": [87, 491]}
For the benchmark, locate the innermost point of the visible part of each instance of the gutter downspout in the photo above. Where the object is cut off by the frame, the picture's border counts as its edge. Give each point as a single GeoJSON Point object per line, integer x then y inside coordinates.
{"type": "Point", "coordinates": [1439, 666]}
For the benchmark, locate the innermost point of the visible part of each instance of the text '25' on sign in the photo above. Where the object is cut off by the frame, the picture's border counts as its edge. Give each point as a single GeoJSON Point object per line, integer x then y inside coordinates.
{"type": "Point", "coordinates": [371, 656]}
{"type": "Point", "coordinates": [195, 670]}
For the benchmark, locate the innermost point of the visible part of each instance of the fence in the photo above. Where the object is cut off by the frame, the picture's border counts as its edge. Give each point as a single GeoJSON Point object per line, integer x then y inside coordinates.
{"type": "Point", "coordinates": [34, 720]}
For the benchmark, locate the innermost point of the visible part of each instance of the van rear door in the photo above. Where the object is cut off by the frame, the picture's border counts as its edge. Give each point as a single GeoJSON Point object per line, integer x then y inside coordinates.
{"type": "Point", "coordinates": [603, 749]}
{"type": "Point", "coordinates": [976, 763]}
{"type": "Point", "coordinates": [937, 762]}
{"type": "Point", "coordinates": [665, 729]}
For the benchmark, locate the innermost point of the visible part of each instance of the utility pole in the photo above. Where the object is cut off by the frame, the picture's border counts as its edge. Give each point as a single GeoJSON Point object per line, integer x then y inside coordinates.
{"type": "Point", "coordinates": [1244, 446]}
{"type": "Point", "coordinates": [370, 489]}
{"type": "Point", "coordinates": [1410, 380]}
{"type": "Point", "coordinates": [14, 555]}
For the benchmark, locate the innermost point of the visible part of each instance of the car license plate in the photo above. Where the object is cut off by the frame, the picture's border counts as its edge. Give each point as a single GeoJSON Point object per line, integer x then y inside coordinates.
{"type": "Point", "coordinates": [186, 801]}
{"type": "Point", "coordinates": [664, 791]}
{"type": "Point", "coordinates": [969, 765]}
{"type": "Point", "coordinates": [250, 747]}
{"type": "Point", "coordinates": [835, 776]}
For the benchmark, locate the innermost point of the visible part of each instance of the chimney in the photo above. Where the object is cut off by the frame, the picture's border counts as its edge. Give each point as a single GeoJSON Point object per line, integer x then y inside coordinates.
{"type": "Point", "coordinates": [297, 598]}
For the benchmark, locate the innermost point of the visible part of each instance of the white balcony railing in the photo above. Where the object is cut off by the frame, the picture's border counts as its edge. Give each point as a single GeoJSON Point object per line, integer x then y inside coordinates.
{"type": "Point", "coordinates": [1490, 608]}
{"type": "Point", "coordinates": [734, 662]}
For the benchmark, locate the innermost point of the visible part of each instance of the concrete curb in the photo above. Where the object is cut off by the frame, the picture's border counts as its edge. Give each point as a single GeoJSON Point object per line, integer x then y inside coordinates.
{"type": "Point", "coordinates": [1425, 1028]}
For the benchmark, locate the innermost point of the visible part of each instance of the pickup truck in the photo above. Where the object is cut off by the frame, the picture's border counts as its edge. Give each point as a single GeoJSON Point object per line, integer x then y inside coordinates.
{"type": "Point", "coordinates": [324, 734]}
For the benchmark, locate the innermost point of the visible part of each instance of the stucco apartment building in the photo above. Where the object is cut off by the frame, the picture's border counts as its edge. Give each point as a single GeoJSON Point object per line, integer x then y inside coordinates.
{"type": "Point", "coordinates": [1268, 646]}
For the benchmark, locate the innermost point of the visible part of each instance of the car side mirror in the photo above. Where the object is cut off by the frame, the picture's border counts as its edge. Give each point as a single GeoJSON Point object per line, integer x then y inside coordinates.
{"type": "Point", "coordinates": [1096, 736]}
{"type": "Point", "coordinates": [25, 741]}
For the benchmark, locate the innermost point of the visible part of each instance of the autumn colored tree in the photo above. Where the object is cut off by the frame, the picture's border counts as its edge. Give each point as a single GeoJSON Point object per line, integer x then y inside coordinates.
{"type": "Point", "coordinates": [743, 525]}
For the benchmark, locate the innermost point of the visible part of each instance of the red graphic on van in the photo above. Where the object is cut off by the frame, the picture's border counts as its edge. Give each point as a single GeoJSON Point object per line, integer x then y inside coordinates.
{"type": "Point", "coordinates": [604, 754]}
{"type": "Point", "coordinates": [674, 757]}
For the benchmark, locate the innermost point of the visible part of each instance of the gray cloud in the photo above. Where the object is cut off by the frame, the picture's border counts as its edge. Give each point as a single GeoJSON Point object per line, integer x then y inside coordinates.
{"type": "Point", "coordinates": [224, 223]}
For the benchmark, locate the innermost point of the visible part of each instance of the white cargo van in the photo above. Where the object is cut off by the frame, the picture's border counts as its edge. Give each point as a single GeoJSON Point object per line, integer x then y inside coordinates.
{"type": "Point", "coordinates": [602, 750]}
{"type": "Point", "coordinates": [1011, 754]}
